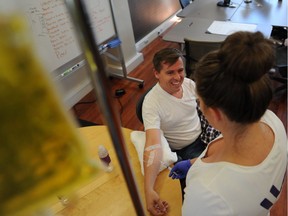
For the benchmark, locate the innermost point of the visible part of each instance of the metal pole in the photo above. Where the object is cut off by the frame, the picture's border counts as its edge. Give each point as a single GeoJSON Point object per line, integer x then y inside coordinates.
{"type": "Point", "coordinates": [102, 88]}
{"type": "Point", "coordinates": [121, 56]}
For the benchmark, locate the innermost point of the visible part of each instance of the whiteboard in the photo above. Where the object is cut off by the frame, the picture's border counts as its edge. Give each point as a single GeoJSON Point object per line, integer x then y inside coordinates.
{"type": "Point", "coordinates": [101, 19]}
{"type": "Point", "coordinates": [53, 31]}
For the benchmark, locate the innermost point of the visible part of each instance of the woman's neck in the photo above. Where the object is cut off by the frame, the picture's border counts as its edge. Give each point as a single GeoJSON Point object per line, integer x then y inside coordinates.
{"type": "Point", "coordinates": [245, 144]}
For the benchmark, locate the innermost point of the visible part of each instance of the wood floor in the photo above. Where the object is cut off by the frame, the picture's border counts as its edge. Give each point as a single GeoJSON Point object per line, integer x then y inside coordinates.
{"type": "Point", "coordinates": [87, 109]}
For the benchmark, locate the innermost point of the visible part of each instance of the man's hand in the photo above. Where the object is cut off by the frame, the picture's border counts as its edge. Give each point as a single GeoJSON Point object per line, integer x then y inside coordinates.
{"type": "Point", "coordinates": [179, 171]}
{"type": "Point", "coordinates": [154, 205]}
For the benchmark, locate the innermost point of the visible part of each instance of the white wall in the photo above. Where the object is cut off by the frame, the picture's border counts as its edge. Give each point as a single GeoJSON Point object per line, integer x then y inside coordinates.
{"type": "Point", "coordinates": [77, 85]}
{"type": "Point", "coordinates": [125, 31]}
{"type": "Point", "coordinates": [156, 32]}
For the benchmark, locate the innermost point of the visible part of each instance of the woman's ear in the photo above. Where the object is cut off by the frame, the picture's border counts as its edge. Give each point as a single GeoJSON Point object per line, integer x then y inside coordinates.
{"type": "Point", "coordinates": [216, 114]}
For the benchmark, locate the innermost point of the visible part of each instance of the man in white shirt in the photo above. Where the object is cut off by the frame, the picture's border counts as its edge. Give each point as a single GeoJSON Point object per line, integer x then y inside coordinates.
{"type": "Point", "coordinates": [170, 106]}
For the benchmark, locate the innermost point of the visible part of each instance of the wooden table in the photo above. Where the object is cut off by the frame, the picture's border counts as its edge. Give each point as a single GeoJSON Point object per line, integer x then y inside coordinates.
{"type": "Point", "coordinates": [107, 193]}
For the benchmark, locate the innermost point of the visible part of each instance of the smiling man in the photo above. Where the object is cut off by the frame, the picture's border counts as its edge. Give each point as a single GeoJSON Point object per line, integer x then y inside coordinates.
{"type": "Point", "coordinates": [170, 107]}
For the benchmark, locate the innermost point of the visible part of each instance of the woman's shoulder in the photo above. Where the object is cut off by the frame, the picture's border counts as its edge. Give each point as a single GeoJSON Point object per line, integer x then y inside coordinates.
{"type": "Point", "coordinates": [271, 119]}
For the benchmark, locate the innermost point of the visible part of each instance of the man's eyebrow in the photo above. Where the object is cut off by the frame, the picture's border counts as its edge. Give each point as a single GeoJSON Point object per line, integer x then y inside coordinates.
{"type": "Point", "coordinates": [168, 71]}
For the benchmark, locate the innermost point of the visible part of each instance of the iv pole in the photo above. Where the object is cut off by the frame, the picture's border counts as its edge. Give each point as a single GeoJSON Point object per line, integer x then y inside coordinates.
{"type": "Point", "coordinates": [104, 95]}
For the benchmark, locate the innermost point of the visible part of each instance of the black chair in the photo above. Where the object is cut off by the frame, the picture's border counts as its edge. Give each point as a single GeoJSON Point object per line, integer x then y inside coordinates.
{"type": "Point", "coordinates": [279, 72]}
{"type": "Point", "coordinates": [194, 51]}
{"type": "Point", "coordinates": [184, 3]}
{"type": "Point", "coordinates": [139, 105]}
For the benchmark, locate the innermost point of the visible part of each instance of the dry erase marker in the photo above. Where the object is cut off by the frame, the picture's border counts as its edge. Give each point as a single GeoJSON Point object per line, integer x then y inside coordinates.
{"type": "Point", "coordinates": [72, 69]}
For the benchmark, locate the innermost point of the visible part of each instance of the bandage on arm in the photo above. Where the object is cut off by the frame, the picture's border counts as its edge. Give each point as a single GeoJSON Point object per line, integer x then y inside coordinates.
{"type": "Point", "coordinates": [152, 157]}
{"type": "Point", "coordinates": [150, 152]}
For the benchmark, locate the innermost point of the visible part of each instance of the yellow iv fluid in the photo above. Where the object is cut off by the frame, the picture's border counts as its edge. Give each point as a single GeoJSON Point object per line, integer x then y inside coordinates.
{"type": "Point", "coordinates": [41, 154]}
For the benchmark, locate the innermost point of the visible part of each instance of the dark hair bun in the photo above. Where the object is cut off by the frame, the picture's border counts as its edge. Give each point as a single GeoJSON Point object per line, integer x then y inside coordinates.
{"type": "Point", "coordinates": [246, 57]}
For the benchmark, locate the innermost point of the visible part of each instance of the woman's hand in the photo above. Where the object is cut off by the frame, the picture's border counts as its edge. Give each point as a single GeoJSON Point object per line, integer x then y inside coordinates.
{"type": "Point", "coordinates": [180, 169]}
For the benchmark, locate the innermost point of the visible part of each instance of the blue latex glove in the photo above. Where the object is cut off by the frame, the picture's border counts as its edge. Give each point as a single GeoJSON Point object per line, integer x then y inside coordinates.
{"type": "Point", "coordinates": [179, 171]}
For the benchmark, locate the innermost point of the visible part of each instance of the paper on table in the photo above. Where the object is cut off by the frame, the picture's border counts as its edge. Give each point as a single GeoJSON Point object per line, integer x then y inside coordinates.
{"type": "Point", "coordinates": [227, 28]}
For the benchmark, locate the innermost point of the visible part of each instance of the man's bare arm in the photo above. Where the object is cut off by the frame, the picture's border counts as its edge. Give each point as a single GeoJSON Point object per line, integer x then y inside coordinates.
{"type": "Point", "coordinates": [152, 157]}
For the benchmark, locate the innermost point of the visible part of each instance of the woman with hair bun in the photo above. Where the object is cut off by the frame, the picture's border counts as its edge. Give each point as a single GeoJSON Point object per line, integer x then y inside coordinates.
{"type": "Point", "coordinates": [242, 171]}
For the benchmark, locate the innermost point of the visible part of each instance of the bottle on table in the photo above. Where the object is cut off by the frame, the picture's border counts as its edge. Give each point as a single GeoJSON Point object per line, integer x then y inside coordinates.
{"type": "Point", "coordinates": [105, 158]}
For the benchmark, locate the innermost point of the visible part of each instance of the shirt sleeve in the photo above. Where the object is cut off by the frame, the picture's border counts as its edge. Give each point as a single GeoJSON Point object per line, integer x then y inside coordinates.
{"type": "Point", "coordinates": [150, 114]}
